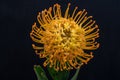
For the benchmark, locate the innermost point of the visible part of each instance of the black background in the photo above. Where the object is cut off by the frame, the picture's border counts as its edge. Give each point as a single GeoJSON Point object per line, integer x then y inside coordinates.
{"type": "Point", "coordinates": [17, 17]}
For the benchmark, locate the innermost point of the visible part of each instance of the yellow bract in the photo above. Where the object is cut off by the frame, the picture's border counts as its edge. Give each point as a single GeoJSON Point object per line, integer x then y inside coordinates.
{"type": "Point", "coordinates": [65, 38]}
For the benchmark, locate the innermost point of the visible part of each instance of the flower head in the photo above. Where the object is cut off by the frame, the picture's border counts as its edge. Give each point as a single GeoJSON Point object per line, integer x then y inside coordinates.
{"type": "Point", "coordinates": [66, 38]}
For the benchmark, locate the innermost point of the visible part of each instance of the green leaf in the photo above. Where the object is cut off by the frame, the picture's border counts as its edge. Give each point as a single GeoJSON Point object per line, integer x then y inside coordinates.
{"type": "Point", "coordinates": [40, 72]}
{"type": "Point", "coordinates": [75, 75]}
{"type": "Point", "coordinates": [60, 75]}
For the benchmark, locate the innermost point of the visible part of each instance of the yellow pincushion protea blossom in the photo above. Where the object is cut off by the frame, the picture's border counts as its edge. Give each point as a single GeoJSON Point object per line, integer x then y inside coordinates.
{"type": "Point", "coordinates": [65, 38]}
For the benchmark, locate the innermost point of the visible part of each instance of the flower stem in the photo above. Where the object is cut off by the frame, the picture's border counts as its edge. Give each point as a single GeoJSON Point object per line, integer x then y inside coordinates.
{"type": "Point", "coordinates": [75, 75]}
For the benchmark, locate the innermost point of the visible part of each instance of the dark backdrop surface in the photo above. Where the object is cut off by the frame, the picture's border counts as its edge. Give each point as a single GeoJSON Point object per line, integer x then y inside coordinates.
{"type": "Point", "coordinates": [17, 17]}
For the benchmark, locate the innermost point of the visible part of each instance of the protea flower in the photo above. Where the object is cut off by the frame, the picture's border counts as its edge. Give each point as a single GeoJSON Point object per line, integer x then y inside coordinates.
{"type": "Point", "coordinates": [66, 38]}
